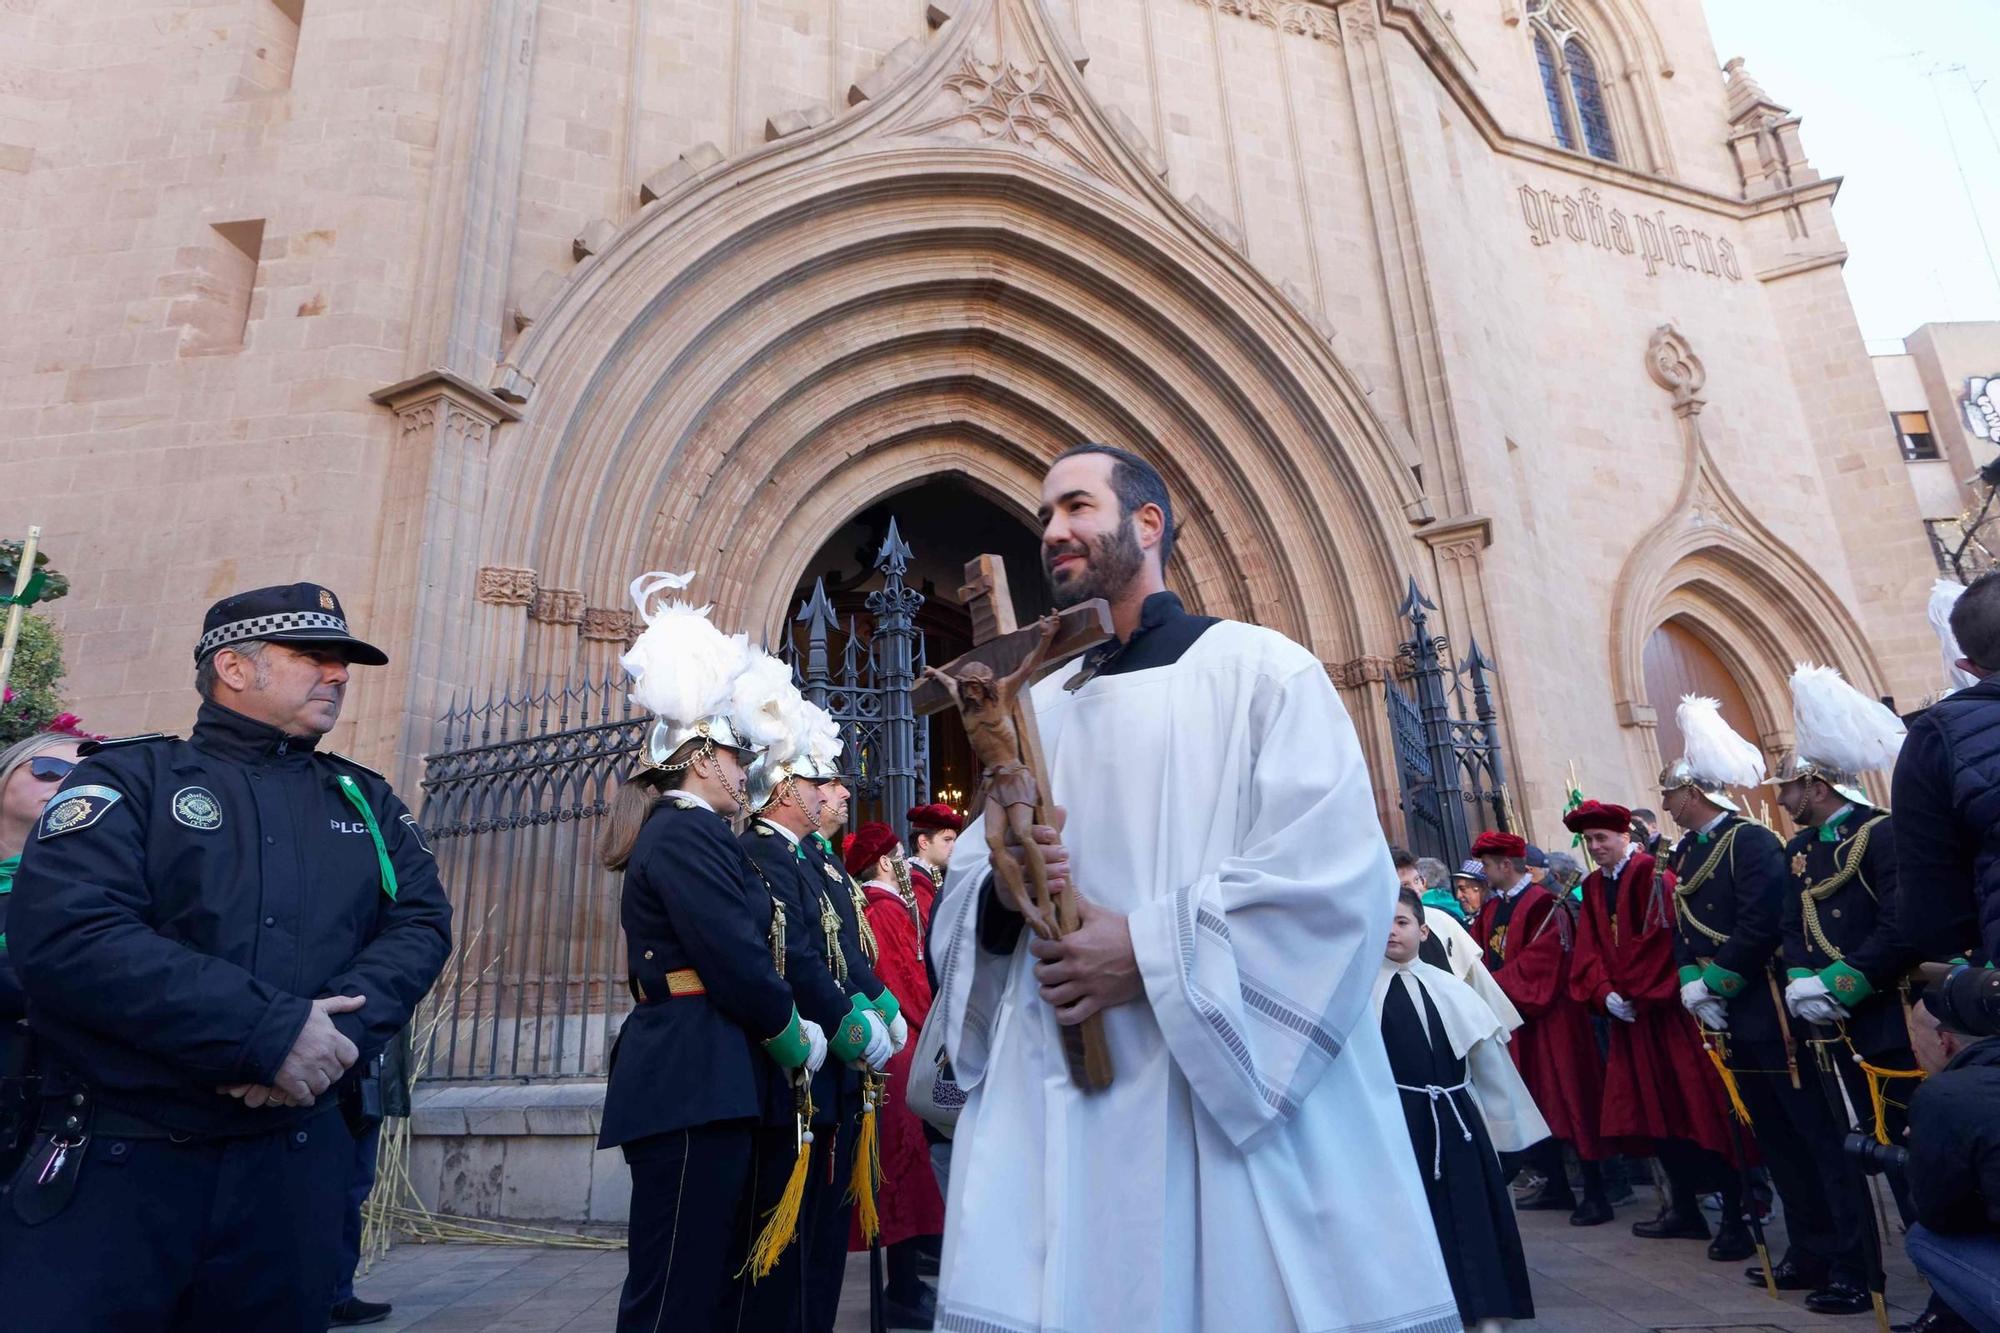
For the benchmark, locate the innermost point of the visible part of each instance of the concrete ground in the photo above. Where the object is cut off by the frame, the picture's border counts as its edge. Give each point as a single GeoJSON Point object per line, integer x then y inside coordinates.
{"type": "Point", "coordinates": [1591, 1280]}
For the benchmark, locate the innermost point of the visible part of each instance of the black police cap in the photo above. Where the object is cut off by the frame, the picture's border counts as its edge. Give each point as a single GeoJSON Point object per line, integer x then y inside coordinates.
{"type": "Point", "coordinates": [301, 613]}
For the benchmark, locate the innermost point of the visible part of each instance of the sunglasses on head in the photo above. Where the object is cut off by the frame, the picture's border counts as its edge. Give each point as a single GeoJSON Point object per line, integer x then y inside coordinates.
{"type": "Point", "coordinates": [49, 768]}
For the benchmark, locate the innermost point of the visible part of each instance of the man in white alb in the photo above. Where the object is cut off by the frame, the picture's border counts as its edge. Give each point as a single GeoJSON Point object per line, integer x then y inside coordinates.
{"type": "Point", "coordinates": [1249, 1168]}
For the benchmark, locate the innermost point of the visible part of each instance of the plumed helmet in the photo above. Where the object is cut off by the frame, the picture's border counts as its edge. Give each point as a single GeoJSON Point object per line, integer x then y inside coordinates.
{"type": "Point", "coordinates": [683, 671]}
{"type": "Point", "coordinates": [1840, 733]}
{"type": "Point", "coordinates": [1713, 756]}
{"type": "Point", "coordinates": [771, 705]}
{"type": "Point", "coordinates": [1944, 596]}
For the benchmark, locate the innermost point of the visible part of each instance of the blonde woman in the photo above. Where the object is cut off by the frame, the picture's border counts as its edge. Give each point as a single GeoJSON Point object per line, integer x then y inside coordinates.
{"type": "Point", "coordinates": [31, 771]}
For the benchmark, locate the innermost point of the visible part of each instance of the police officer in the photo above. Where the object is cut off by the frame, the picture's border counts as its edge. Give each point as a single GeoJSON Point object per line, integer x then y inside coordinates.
{"type": "Point", "coordinates": [696, 1066]}
{"type": "Point", "coordinates": [1844, 970]}
{"type": "Point", "coordinates": [212, 933]}
{"type": "Point", "coordinates": [1730, 887]}
{"type": "Point", "coordinates": [787, 790]}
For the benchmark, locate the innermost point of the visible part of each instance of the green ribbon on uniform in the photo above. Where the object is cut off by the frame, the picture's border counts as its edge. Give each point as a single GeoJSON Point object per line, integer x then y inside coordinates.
{"type": "Point", "coordinates": [352, 791]}
{"type": "Point", "coordinates": [31, 592]}
{"type": "Point", "coordinates": [1830, 830]}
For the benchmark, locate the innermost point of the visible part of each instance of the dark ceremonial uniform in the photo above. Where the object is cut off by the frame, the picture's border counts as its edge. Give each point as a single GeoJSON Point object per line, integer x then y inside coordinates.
{"type": "Point", "coordinates": [818, 972]}
{"type": "Point", "coordinates": [1843, 883]}
{"type": "Point", "coordinates": [1470, 1206]}
{"type": "Point", "coordinates": [690, 1077]}
{"type": "Point", "coordinates": [824, 1226]}
{"type": "Point", "coordinates": [1729, 897]}
{"type": "Point", "coordinates": [178, 909]}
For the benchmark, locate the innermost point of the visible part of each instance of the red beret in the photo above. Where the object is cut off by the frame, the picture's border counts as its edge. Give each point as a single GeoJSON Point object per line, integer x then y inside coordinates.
{"type": "Point", "coordinates": [1596, 814]}
{"type": "Point", "coordinates": [936, 818]}
{"type": "Point", "coordinates": [1499, 844]}
{"type": "Point", "coordinates": [870, 843]}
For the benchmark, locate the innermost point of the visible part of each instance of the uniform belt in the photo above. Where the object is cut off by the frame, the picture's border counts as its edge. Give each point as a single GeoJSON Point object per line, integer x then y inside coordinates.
{"type": "Point", "coordinates": [681, 983]}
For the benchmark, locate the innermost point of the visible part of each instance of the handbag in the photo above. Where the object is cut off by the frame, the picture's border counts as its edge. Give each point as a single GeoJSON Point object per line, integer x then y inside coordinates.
{"type": "Point", "coordinates": [934, 1096]}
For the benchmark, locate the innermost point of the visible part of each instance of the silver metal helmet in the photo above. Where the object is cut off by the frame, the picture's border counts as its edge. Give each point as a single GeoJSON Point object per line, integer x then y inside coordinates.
{"type": "Point", "coordinates": [665, 738]}
{"type": "Point", "coordinates": [768, 779]}
{"type": "Point", "coordinates": [1679, 775]}
{"type": "Point", "coordinates": [1795, 767]}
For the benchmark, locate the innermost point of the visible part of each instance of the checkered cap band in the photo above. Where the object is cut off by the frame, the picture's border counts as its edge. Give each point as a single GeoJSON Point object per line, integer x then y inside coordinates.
{"type": "Point", "coordinates": [265, 627]}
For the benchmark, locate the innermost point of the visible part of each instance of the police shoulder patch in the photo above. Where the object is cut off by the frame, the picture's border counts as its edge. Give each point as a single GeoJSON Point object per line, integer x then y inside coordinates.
{"type": "Point", "coordinates": [75, 809]}
{"type": "Point", "coordinates": [197, 808]}
{"type": "Point", "coordinates": [416, 832]}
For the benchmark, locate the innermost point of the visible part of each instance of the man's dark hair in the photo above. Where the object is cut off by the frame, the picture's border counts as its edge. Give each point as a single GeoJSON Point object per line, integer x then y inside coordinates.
{"type": "Point", "coordinates": [1136, 482]}
{"type": "Point", "coordinates": [1651, 817]}
{"type": "Point", "coordinates": [1401, 856]}
{"type": "Point", "coordinates": [1975, 621]}
{"type": "Point", "coordinates": [1408, 898]}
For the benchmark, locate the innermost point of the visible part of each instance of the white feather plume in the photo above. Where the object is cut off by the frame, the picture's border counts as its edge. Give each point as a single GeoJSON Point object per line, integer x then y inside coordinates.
{"type": "Point", "coordinates": [823, 743]}
{"type": "Point", "coordinates": [766, 709]}
{"type": "Point", "coordinates": [1944, 595]}
{"type": "Point", "coordinates": [1712, 749]}
{"type": "Point", "coordinates": [1838, 725]}
{"type": "Point", "coordinates": [681, 667]}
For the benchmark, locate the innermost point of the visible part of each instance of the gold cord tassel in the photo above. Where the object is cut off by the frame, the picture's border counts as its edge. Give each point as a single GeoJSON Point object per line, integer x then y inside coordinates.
{"type": "Point", "coordinates": [781, 1224]}
{"type": "Point", "coordinates": [867, 1177]}
{"type": "Point", "coordinates": [1736, 1105]}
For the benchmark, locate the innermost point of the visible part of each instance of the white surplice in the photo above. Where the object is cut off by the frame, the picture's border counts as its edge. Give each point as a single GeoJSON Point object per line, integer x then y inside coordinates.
{"type": "Point", "coordinates": [1469, 967]}
{"type": "Point", "coordinates": [1479, 1037]}
{"type": "Point", "coordinates": [1249, 1168]}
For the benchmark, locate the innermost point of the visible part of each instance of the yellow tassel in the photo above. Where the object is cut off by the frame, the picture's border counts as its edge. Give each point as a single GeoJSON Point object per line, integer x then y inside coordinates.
{"type": "Point", "coordinates": [1728, 1082]}
{"type": "Point", "coordinates": [867, 1176]}
{"type": "Point", "coordinates": [781, 1224]}
{"type": "Point", "coordinates": [1877, 1076]}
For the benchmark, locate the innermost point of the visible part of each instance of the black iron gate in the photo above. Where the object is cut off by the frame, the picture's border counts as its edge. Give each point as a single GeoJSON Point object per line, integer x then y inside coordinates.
{"type": "Point", "coordinates": [513, 795]}
{"type": "Point", "coordinates": [1446, 733]}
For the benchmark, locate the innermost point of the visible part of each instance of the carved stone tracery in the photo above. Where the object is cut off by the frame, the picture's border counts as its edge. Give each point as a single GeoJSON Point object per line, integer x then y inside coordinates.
{"type": "Point", "coordinates": [504, 585]}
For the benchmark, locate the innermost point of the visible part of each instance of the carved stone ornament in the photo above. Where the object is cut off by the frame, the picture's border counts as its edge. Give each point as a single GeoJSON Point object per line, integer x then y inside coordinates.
{"type": "Point", "coordinates": [1674, 367]}
{"type": "Point", "coordinates": [557, 606]}
{"type": "Point", "coordinates": [1297, 17]}
{"type": "Point", "coordinates": [501, 585]}
{"type": "Point", "coordinates": [1362, 671]}
{"type": "Point", "coordinates": [609, 624]}
{"type": "Point", "coordinates": [1015, 102]}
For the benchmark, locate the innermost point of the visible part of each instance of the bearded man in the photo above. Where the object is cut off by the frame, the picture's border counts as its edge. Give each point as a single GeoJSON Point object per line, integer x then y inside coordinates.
{"type": "Point", "coordinates": [1233, 901]}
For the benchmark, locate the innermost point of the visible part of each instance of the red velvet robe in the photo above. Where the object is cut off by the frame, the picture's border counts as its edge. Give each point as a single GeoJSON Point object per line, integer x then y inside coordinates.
{"type": "Point", "coordinates": [1658, 1083]}
{"type": "Point", "coordinates": [1554, 1048]}
{"type": "Point", "coordinates": [909, 1203]}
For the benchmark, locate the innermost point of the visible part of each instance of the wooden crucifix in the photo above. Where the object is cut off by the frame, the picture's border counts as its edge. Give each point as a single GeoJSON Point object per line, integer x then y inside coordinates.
{"type": "Point", "coordinates": [1014, 776]}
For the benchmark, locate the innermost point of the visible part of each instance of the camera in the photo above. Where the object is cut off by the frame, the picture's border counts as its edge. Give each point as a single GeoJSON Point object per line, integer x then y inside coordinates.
{"type": "Point", "coordinates": [1876, 1159]}
{"type": "Point", "coordinates": [1967, 1001]}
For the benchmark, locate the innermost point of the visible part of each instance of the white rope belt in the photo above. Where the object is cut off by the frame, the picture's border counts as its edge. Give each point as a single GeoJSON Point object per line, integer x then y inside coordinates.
{"type": "Point", "coordinates": [1436, 1093]}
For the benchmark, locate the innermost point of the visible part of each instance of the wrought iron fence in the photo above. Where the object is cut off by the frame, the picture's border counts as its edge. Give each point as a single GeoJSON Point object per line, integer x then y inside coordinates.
{"type": "Point", "coordinates": [513, 795]}
{"type": "Point", "coordinates": [1445, 728]}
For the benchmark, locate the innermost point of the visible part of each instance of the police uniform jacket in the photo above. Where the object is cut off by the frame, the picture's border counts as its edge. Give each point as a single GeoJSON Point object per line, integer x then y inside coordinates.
{"type": "Point", "coordinates": [841, 892]}
{"type": "Point", "coordinates": [797, 884]}
{"type": "Point", "coordinates": [1729, 898]}
{"type": "Point", "coordinates": [692, 901]}
{"type": "Point", "coordinates": [1840, 890]}
{"type": "Point", "coordinates": [181, 904]}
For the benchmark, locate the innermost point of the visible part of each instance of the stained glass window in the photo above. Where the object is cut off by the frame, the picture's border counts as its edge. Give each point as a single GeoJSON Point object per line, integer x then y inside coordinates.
{"type": "Point", "coordinates": [1590, 110]}
{"type": "Point", "coordinates": [1545, 56]}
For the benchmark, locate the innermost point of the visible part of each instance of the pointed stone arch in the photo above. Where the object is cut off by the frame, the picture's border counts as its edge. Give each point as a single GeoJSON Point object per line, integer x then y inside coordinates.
{"type": "Point", "coordinates": [1711, 565]}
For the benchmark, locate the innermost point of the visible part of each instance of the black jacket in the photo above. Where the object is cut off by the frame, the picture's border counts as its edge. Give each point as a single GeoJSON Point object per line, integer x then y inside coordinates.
{"type": "Point", "coordinates": [691, 899]}
{"type": "Point", "coordinates": [840, 891]}
{"type": "Point", "coordinates": [1742, 900]}
{"type": "Point", "coordinates": [1947, 802]}
{"type": "Point", "coordinates": [1850, 918]}
{"type": "Point", "coordinates": [183, 902]}
{"type": "Point", "coordinates": [801, 889]}
{"type": "Point", "coordinates": [1954, 1171]}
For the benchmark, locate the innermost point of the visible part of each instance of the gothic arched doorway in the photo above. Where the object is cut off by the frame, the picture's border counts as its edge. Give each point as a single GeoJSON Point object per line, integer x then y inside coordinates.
{"type": "Point", "coordinates": [1679, 662]}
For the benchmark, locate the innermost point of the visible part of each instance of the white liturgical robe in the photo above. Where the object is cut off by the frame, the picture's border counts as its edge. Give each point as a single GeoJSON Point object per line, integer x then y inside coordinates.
{"type": "Point", "coordinates": [1249, 1168]}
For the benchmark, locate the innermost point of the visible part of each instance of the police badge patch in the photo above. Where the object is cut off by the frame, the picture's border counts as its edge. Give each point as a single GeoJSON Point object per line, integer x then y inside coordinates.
{"type": "Point", "coordinates": [417, 832]}
{"type": "Point", "coordinates": [197, 808]}
{"type": "Point", "coordinates": [77, 808]}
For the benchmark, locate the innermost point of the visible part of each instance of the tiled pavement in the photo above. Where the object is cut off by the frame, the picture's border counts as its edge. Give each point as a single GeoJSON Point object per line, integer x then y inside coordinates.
{"type": "Point", "coordinates": [1596, 1280]}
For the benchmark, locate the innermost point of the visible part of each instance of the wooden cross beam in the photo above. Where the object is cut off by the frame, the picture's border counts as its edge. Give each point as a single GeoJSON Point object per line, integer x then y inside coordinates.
{"type": "Point", "coordinates": [1000, 644]}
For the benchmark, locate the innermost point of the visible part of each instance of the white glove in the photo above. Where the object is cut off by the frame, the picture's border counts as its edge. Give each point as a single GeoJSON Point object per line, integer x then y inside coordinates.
{"type": "Point", "coordinates": [816, 1042]}
{"type": "Point", "coordinates": [1808, 998]}
{"type": "Point", "coordinates": [879, 1048]}
{"type": "Point", "coordinates": [1709, 1009]}
{"type": "Point", "coordinates": [1621, 1008]}
{"type": "Point", "coordinates": [899, 1034]}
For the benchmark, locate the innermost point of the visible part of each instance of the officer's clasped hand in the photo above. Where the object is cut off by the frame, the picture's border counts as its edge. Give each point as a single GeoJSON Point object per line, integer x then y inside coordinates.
{"type": "Point", "coordinates": [880, 1048]}
{"type": "Point", "coordinates": [815, 1037]}
{"type": "Point", "coordinates": [320, 1055]}
{"type": "Point", "coordinates": [1621, 1008]}
{"type": "Point", "coordinates": [1808, 998]}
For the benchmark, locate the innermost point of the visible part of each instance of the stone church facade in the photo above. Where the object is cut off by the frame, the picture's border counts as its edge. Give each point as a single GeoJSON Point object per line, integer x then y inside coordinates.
{"type": "Point", "coordinates": [476, 310]}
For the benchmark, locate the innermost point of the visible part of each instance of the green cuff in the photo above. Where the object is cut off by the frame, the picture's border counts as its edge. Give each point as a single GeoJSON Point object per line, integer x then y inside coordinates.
{"type": "Point", "coordinates": [790, 1047]}
{"type": "Point", "coordinates": [1722, 981]}
{"type": "Point", "coordinates": [1793, 974]}
{"type": "Point", "coordinates": [885, 1005]}
{"type": "Point", "coordinates": [849, 1037]}
{"type": "Point", "coordinates": [1845, 984]}
{"type": "Point", "coordinates": [1690, 973]}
